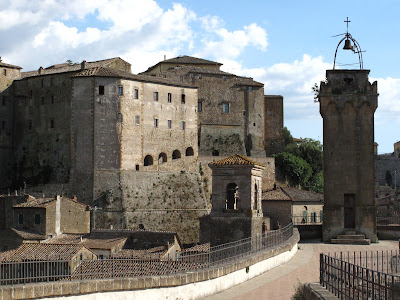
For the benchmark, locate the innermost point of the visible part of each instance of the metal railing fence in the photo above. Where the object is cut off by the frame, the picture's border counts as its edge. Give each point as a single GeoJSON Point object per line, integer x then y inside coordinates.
{"type": "Point", "coordinates": [21, 272]}
{"type": "Point", "coordinates": [362, 275]}
{"type": "Point", "coordinates": [315, 219]}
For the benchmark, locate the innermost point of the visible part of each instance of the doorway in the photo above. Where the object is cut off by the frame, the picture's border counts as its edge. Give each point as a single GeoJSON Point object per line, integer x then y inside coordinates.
{"type": "Point", "coordinates": [349, 211]}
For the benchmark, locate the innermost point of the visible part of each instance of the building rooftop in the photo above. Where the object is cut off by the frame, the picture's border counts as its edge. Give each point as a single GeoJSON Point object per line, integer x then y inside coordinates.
{"type": "Point", "coordinates": [36, 202]}
{"type": "Point", "coordinates": [35, 251]}
{"type": "Point", "coordinates": [65, 67]}
{"type": "Point", "coordinates": [292, 194]}
{"type": "Point", "coordinates": [198, 248]}
{"type": "Point", "coordinates": [25, 234]}
{"type": "Point", "coordinates": [9, 66]}
{"type": "Point", "coordinates": [236, 159]}
{"type": "Point", "coordinates": [108, 72]}
{"type": "Point", "coordinates": [275, 194]}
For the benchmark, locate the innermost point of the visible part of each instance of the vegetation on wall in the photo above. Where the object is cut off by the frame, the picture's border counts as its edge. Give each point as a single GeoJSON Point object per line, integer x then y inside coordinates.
{"type": "Point", "coordinates": [301, 165]}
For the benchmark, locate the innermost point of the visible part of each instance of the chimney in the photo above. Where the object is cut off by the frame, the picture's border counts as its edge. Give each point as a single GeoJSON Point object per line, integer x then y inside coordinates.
{"type": "Point", "coordinates": [58, 215]}
{"type": "Point", "coordinates": [40, 70]}
{"type": "Point", "coordinates": [83, 65]}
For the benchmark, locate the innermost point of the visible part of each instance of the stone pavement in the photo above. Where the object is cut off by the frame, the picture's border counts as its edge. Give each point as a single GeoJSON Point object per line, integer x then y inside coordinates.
{"type": "Point", "coordinates": [279, 283]}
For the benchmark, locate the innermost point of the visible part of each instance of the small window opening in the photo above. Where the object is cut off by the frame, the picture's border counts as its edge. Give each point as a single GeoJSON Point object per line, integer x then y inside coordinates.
{"type": "Point", "coordinates": [136, 94]}
{"type": "Point", "coordinates": [225, 108]}
{"type": "Point", "coordinates": [189, 151]}
{"type": "Point", "coordinates": [200, 76]}
{"type": "Point", "coordinates": [42, 100]}
{"type": "Point", "coordinates": [215, 153]}
{"type": "Point", "coordinates": [169, 124]}
{"type": "Point", "coordinates": [169, 97]}
{"type": "Point", "coordinates": [101, 89]}
{"type": "Point", "coordinates": [183, 99]}
{"type": "Point", "coordinates": [52, 123]}
{"type": "Point", "coordinates": [41, 82]}
{"type": "Point", "coordinates": [137, 167]}
{"type": "Point", "coordinates": [52, 99]}
{"type": "Point", "coordinates": [162, 158]}
{"type": "Point", "coordinates": [176, 154]}
{"type": "Point", "coordinates": [183, 125]}
{"type": "Point", "coordinates": [137, 120]}
{"type": "Point", "coordinates": [120, 117]}
{"type": "Point", "coordinates": [51, 81]}
{"type": "Point", "coordinates": [155, 96]}
{"type": "Point", "coordinates": [155, 122]}
{"type": "Point", "coordinates": [4, 72]}
{"type": "Point", "coordinates": [232, 196]}
{"type": "Point", "coordinates": [120, 90]}
{"type": "Point", "coordinates": [148, 160]}
{"type": "Point", "coordinates": [199, 106]}
{"type": "Point", "coordinates": [20, 219]}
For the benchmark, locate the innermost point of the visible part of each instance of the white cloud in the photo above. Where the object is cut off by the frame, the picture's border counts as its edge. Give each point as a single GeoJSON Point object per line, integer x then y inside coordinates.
{"type": "Point", "coordinates": [230, 44]}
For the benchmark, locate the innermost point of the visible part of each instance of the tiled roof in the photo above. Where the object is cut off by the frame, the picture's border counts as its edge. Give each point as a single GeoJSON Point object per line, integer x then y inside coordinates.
{"type": "Point", "coordinates": [28, 235]}
{"type": "Point", "coordinates": [236, 159]}
{"type": "Point", "coordinates": [153, 253]}
{"type": "Point", "coordinates": [275, 194]}
{"type": "Point", "coordinates": [247, 81]}
{"type": "Point", "coordinates": [303, 195]}
{"type": "Point", "coordinates": [33, 251]}
{"type": "Point", "coordinates": [9, 66]}
{"type": "Point", "coordinates": [65, 67]}
{"type": "Point", "coordinates": [198, 248]}
{"type": "Point", "coordinates": [107, 72]}
{"type": "Point", "coordinates": [34, 202]}
{"type": "Point", "coordinates": [66, 238]}
{"type": "Point", "coordinates": [190, 60]}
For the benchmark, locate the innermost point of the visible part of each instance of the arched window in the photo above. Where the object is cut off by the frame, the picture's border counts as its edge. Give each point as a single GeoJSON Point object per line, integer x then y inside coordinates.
{"type": "Point", "coordinates": [148, 160]}
{"type": "Point", "coordinates": [232, 196]}
{"type": "Point", "coordinates": [215, 153]}
{"type": "Point", "coordinates": [162, 158]}
{"type": "Point", "coordinates": [176, 154]}
{"type": "Point", "coordinates": [189, 151]}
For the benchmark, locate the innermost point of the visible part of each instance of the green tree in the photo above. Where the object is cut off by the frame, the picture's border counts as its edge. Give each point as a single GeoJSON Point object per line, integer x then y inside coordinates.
{"type": "Point", "coordinates": [287, 137]}
{"type": "Point", "coordinates": [316, 183]}
{"type": "Point", "coordinates": [310, 151]}
{"type": "Point", "coordinates": [293, 168]}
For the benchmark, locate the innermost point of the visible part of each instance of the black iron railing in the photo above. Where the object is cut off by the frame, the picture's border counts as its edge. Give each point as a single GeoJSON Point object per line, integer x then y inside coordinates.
{"type": "Point", "coordinates": [361, 275]}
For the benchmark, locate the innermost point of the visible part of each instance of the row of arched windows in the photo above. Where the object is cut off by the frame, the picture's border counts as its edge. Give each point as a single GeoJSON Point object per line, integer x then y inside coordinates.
{"type": "Point", "coordinates": [162, 157]}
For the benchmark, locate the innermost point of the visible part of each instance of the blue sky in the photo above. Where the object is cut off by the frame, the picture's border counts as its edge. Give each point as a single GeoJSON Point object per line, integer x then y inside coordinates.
{"type": "Point", "coordinates": [287, 45]}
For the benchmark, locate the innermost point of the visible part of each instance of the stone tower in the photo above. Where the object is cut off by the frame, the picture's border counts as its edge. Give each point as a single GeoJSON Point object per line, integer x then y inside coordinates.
{"type": "Point", "coordinates": [236, 211]}
{"type": "Point", "coordinates": [347, 105]}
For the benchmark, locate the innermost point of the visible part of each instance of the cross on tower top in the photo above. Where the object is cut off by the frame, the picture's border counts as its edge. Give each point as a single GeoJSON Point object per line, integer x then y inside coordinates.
{"type": "Point", "coordinates": [347, 23]}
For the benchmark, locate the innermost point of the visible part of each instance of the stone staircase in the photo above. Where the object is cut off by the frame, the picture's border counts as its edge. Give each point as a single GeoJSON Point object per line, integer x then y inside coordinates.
{"type": "Point", "coordinates": [351, 238]}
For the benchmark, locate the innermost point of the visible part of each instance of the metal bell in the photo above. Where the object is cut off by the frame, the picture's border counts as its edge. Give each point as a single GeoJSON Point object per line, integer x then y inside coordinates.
{"type": "Point", "coordinates": [347, 45]}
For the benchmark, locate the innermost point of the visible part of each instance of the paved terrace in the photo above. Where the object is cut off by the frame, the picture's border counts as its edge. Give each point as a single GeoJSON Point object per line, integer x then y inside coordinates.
{"type": "Point", "coordinates": [280, 282]}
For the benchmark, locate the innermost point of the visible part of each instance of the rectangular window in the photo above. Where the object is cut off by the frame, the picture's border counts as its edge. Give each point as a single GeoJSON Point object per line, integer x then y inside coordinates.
{"type": "Point", "coordinates": [30, 124]}
{"type": "Point", "coordinates": [169, 97]}
{"type": "Point", "coordinates": [199, 106]}
{"type": "Point", "coordinates": [155, 122]}
{"type": "Point", "coordinates": [20, 219]}
{"type": "Point", "coordinates": [4, 100]}
{"type": "Point", "coordinates": [155, 95]}
{"type": "Point", "coordinates": [200, 76]}
{"type": "Point", "coordinates": [42, 100]}
{"type": "Point", "coordinates": [52, 123]}
{"type": "Point", "coordinates": [120, 90]}
{"type": "Point", "coordinates": [224, 78]}
{"type": "Point", "coordinates": [137, 120]}
{"type": "Point", "coordinates": [183, 99]}
{"type": "Point", "coordinates": [101, 89]}
{"type": "Point", "coordinates": [37, 219]}
{"type": "Point", "coordinates": [136, 94]}
{"type": "Point", "coordinates": [169, 124]}
{"type": "Point", "coordinates": [52, 99]}
{"type": "Point", "coordinates": [183, 125]}
{"type": "Point", "coordinates": [250, 88]}
{"type": "Point", "coordinates": [3, 125]}
{"type": "Point", "coordinates": [225, 108]}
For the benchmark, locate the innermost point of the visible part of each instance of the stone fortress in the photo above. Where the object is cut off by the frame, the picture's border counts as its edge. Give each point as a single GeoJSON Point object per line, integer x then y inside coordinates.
{"type": "Point", "coordinates": [135, 147]}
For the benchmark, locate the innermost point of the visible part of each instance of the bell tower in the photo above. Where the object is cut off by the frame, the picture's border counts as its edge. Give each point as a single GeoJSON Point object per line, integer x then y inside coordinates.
{"type": "Point", "coordinates": [347, 105]}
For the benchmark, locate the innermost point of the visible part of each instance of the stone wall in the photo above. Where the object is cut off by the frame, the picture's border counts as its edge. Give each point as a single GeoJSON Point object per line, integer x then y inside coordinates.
{"type": "Point", "coordinates": [273, 124]}
{"type": "Point", "coordinates": [278, 211]}
{"type": "Point", "coordinates": [384, 163]}
{"type": "Point", "coordinates": [160, 201]}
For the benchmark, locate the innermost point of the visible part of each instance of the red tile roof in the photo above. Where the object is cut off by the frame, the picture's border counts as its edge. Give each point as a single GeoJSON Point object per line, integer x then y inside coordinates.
{"type": "Point", "coordinates": [236, 159]}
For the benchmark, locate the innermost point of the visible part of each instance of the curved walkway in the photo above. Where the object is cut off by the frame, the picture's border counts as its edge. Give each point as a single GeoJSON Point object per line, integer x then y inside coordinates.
{"type": "Point", "coordinates": [280, 282]}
